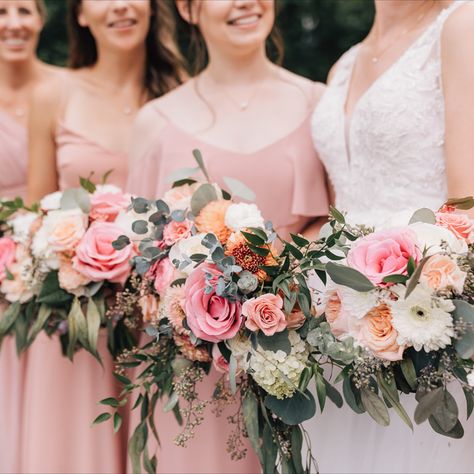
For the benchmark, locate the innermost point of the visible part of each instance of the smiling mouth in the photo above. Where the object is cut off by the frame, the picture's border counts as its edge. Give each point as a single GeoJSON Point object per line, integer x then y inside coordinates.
{"type": "Point", "coordinates": [14, 42]}
{"type": "Point", "coordinates": [245, 20]}
{"type": "Point", "coordinates": [119, 24]}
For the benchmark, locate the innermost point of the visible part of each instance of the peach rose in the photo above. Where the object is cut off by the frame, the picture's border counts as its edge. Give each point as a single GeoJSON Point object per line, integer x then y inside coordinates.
{"type": "Point", "coordinates": [69, 278]}
{"type": "Point", "coordinates": [265, 313]}
{"type": "Point", "coordinates": [106, 205]}
{"type": "Point", "coordinates": [378, 334]}
{"type": "Point", "coordinates": [7, 255]}
{"type": "Point", "coordinates": [337, 318]}
{"type": "Point", "coordinates": [67, 229]}
{"type": "Point", "coordinates": [97, 260]}
{"type": "Point", "coordinates": [149, 306]}
{"type": "Point", "coordinates": [384, 253]}
{"type": "Point", "coordinates": [179, 198]}
{"type": "Point", "coordinates": [442, 273]}
{"type": "Point", "coordinates": [15, 289]}
{"type": "Point", "coordinates": [175, 231]}
{"type": "Point", "coordinates": [459, 224]}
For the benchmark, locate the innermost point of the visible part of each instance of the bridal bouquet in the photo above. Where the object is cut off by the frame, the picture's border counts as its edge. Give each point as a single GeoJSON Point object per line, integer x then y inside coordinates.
{"type": "Point", "coordinates": [59, 270]}
{"type": "Point", "coordinates": [399, 316]}
{"type": "Point", "coordinates": [216, 292]}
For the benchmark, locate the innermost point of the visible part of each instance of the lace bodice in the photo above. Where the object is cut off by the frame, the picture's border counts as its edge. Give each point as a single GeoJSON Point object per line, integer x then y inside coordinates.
{"type": "Point", "coordinates": [390, 156]}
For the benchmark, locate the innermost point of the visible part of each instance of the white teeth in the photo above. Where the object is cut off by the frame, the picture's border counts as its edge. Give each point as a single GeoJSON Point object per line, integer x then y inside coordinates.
{"type": "Point", "coordinates": [246, 20]}
{"type": "Point", "coordinates": [14, 41]}
{"type": "Point", "coordinates": [122, 23]}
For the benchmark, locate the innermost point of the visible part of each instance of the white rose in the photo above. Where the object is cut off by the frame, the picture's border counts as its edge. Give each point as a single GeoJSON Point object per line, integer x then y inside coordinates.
{"type": "Point", "coordinates": [21, 225]}
{"type": "Point", "coordinates": [183, 250]}
{"type": "Point", "coordinates": [431, 236]}
{"type": "Point", "coordinates": [107, 188]}
{"type": "Point", "coordinates": [242, 215]}
{"type": "Point", "coordinates": [51, 202]}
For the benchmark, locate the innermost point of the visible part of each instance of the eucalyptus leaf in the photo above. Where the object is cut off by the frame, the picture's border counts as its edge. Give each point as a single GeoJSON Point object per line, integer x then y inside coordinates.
{"type": "Point", "coordinates": [320, 390]}
{"type": "Point", "coordinates": [375, 406]}
{"type": "Point", "coordinates": [278, 342]}
{"type": "Point", "coordinates": [200, 161]}
{"type": "Point", "coordinates": [171, 402]}
{"type": "Point", "coordinates": [75, 198]}
{"type": "Point", "coordinates": [239, 189]}
{"type": "Point", "coordinates": [43, 315]}
{"type": "Point", "coordinates": [8, 318]}
{"type": "Point", "coordinates": [250, 414]}
{"type": "Point", "coordinates": [349, 277]}
{"type": "Point", "coordinates": [233, 374]}
{"type": "Point", "coordinates": [93, 326]}
{"type": "Point", "coordinates": [140, 227]}
{"type": "Point", "coordinates": [428, 404]}
{"type": "Point", "coordinates": [121, 242]}
{"type": "Point", "coordinates": [464, 344]}
{"type": "Point", "coordinates": [390, 393]}
{"type": "Point", "coordinates": [457, 432]}
{"type": "Point", "coordinates": [351, 395]}
{"type": "Point", "coordinates": [409, 372]}
{"type": "Point", "coordinates": [205, 194]}
{"type": "Point", "coordinates": [136, 445]}
{"type": "Point", "coordinates": [270, 450]}
{"type": "Point", "coordinates": [117, 422]}
{"type": "Point", "coordinates": [294, 410]}
{"type": "Point", "coordinates": [469, 401]}
{"type": "Point", "coordinates": [427, 216]}
{"type": "Point", "coordinates": [446, 413]}
{"type": "Point", "coordinates": [333, 395]}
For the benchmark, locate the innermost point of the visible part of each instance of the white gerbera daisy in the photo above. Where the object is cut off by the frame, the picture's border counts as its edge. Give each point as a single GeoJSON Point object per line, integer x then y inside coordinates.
{"type": "Point", "coordinates": [422, 320]}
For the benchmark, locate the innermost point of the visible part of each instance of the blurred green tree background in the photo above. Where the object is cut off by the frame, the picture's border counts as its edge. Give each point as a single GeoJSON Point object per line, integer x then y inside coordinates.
{"type": "Point", "coordinates": [316, 32]}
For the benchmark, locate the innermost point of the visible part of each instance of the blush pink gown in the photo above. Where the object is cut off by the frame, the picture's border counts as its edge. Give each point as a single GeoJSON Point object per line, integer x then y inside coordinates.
{"type": "Point", "coordinates": [60, 397]}
{"type": "Point", "coordinates": [289, 182]}
{"type": "Point", "coordinates": [13, 158]}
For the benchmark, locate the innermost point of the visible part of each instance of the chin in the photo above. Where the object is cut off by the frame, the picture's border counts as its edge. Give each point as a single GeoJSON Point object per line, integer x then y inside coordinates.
{"type": "Point", "coordinates": [17, 56]}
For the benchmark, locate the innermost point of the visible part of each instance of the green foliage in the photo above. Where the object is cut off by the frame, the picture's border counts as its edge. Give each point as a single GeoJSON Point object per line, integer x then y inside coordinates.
{"type": "Point", "coordinates": [316, 32]}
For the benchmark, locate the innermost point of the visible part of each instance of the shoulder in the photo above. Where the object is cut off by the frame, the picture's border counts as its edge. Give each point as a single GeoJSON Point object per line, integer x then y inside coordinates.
{"type": "Point", "coordinates": [344, 62]}
{"type": "Point", "coordinates": [312, 90]}
{"type": "Point", "coordinates": [459, 26]}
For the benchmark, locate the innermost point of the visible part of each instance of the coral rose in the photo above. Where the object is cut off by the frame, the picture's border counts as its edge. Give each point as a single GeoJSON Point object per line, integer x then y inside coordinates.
{"type": "Point", "coordinates": [265, 313]}
{"type": "Point", "coordinates": [378, 334]}
{"type": "Point", "coordinates": [97, 260]}
{"type": "Point", "coordinates": [212, 219]}
{"type": "Point", "coordinates": [209, 316]}
{"type": "Point", "coordinates": [69, 278]}
{"type": "Point", "coordinates": [7, 255]}
{"type": "Point", "coordinates": [442, 273]}
{"type": "Point", "coordinates": [106, 205]}
{"type": "Point", "coordinates": [384, 253]}
{"type": "Point", "coordinates": [175, 231]}
{"type": "Point", "coordinates": [459, 224]}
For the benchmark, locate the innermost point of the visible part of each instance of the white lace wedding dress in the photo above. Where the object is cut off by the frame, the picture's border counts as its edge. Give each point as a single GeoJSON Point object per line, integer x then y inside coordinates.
{"type": "Point", "coordinates": [389, 158]}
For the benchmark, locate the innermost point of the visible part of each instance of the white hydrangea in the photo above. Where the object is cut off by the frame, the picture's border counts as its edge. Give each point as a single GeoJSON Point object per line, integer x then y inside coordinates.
{"type": "Point", "coordinates": [21, 225]}
{"type": "Point", "coordinates": [182, 251]}
{"type": "Point", "coordinates": [268, 368]}
{"type": "Point", "coordinates": [422, 320]}
{"type": "Point", "coordinates": [242, 215]}
{"type": "Point", "coordinates": [432, 236]}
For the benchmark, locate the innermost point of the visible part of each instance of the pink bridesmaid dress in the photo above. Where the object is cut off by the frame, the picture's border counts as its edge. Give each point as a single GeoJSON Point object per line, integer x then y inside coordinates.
{"type": "Point", "coordinates": [13, 158]}
{"type": "Point", "coordinates": [289, 182]}
{"type": "Point", "coordinates": [60, 398]}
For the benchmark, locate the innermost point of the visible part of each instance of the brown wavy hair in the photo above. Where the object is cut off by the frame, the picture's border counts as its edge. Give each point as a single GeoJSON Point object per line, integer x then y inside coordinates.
{"type": "Point", "coordinates": [198, 50]}
{"type": "Point", "coordinates": [164, 69]}
{"type": "Point", "coordinates": [41, 7]}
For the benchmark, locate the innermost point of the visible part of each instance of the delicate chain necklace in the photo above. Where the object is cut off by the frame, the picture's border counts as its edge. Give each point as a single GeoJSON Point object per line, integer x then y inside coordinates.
{"type": "Point", "coordinates": [404, 32]}
{"type": "Point", "coordinates": [242, 105]}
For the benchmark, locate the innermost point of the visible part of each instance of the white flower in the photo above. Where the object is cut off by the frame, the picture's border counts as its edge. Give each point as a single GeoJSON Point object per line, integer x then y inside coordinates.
{"type": "Point", "coordinates": [51, 202]}
{"type": "Point", "coordinates": [431, 236]}
{"type": "Point", "coordinates": [242, 215]}
{"type": "Point", "coordinates": [183, 250]}
{"type": "Point", "coordinates": [107, 188]}
{"type": "Point", "coordinates": [422, 320]}
{"type": "Point", "coordinates": [21, 225]}
{"type": "Point", "coordinates": [271, 370]}
{"type": "Point", "coordinates": [356, 303]}
{"type": "Point", "coordinates": [125, 219]}
{"type": "Point", "coordinates": [470, 379]}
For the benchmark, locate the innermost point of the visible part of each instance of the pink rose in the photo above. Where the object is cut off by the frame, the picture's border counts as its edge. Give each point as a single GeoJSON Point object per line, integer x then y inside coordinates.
{"type": "Point", "coordinates": [209, 316]}
{"type": "Point", "coordinates": [459, 224]}
{"type": "Point", "coordinates": [69, 278]}
{"type": "Point", "coordinates": [265, 313]}
{"type": "Point", "coordinates": [218, 360]}
{"type": "Point", "coordinates": [384, 253]}
{"type": "Point", "coordinates": [378, 334]}
{"type": "Point", "coordinates": [179, 198]}
{"type": "Point", "coordinates": [7, 255]}
{"type": "Point", "coordinates": [442, 273]}
{"type": "Point", "coordinates": [105, 206]}
{"type": "Point", "coordinates": [175, 231]}
{"type": "Point", "coordinates": [163, 272]}
{"type": "Point", "coordinates": [97, 260]}
{"type": "Point", "coordinates": [66, 229]}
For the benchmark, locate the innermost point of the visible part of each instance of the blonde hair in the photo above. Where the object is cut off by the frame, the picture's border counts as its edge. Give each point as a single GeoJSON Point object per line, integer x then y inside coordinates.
{"type": "Point", "coordinates": [41, 7]}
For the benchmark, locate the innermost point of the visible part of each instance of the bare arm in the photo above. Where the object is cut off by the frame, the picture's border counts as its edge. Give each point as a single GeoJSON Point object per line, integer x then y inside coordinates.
{"type": "Point", "coordinates": [458, 84]}
{"type": "Point", "coordinates": [42, 171]}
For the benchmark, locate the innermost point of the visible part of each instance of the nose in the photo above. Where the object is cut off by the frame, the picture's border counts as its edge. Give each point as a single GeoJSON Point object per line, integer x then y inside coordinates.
{"type": "Point", "coordinates": [13, 20]}
{"type": "Point", "coordinates": [244, 3]}
{"type": "Point", "coordinates": [120, 6]}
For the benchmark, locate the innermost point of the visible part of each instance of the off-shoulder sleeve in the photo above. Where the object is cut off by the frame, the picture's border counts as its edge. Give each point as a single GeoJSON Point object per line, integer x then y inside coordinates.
{"type": "Point", "coordinates": [310, 192]}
